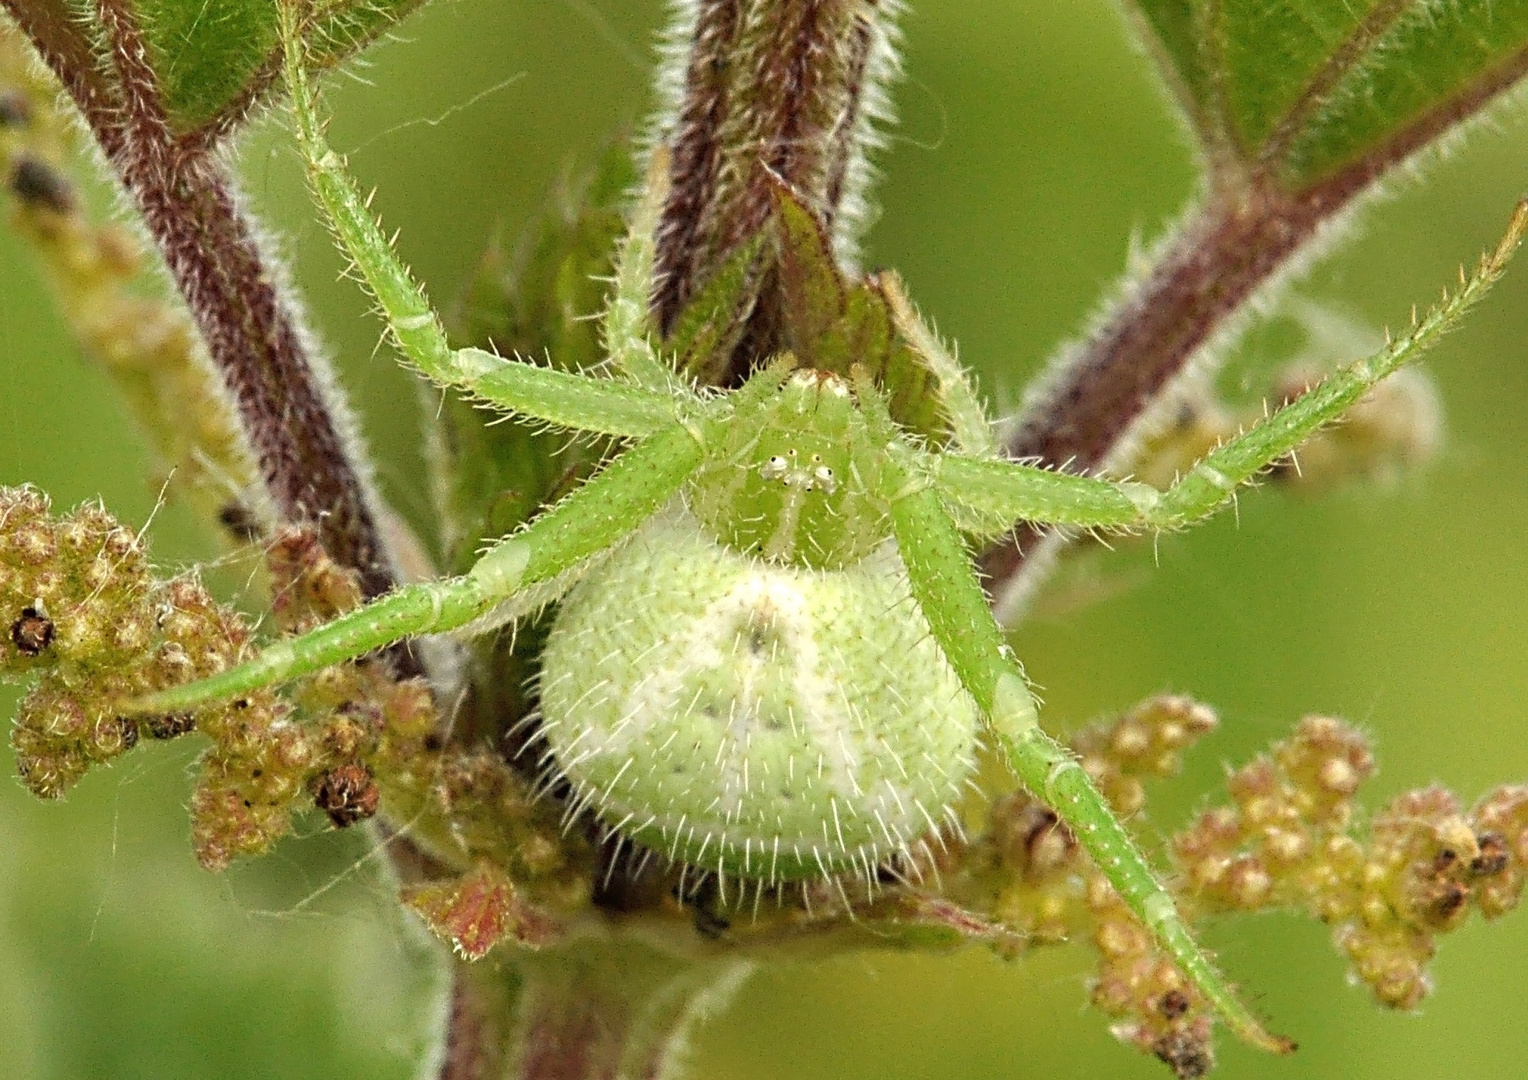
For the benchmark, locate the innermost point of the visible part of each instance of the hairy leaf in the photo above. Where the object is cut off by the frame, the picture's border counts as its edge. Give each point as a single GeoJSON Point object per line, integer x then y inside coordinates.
{"type": "Point", "coordinates": [833, 322]}
{"type": "Point", "coordinates": [212, 59]}
{"type": "Point", "coordinates": [1304, 88]}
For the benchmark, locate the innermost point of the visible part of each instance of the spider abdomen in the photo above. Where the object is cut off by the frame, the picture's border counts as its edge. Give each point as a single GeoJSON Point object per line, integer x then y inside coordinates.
{"type": "Point", "coordinates": [764, 721]}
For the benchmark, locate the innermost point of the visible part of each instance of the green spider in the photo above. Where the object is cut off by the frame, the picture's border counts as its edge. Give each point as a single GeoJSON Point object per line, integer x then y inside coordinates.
{"type": "Point", "coordinates": [773, 660]}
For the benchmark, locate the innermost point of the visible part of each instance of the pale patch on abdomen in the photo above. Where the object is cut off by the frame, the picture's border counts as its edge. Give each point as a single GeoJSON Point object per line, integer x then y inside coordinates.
{"type": "Point", "coordinates": [760, 720]}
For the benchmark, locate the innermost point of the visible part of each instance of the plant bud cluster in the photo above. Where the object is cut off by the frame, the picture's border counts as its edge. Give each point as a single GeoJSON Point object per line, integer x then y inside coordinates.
{"type": "Point", "coordinates": [370, 737]}
{"type": "Point", "coordinates": [1160, 1012]}
{"type": "Point", "coordinates": [328, 747]}
{"type": "Point", "coordinates": [1145, 743]}
{"type": "Point", "coordinates": [1286, 840]}
{"type": "Point", "coordinates": [1044, 891]}
{"type": "Point", "coordinates": [86, 619]}
{"type": "Point", "coordinates": [325, 749]}
{"type": "Point", "coordinates": [1051, 893]}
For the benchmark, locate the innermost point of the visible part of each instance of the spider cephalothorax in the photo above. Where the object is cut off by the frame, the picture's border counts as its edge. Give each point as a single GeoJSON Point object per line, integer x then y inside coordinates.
{"type": "Point", "coordinates": [796, 477]}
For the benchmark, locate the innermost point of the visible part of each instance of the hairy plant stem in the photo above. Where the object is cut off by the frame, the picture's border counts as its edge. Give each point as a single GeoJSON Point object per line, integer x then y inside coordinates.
{"type": "Point", "coordinates": [1247, 236]}
{"type": "Point", "coordinates": [597, 1010]}
{"type": "Point", "coordinates": [292, 416]}
{"type": "Point", "coordinates": [770, 92]}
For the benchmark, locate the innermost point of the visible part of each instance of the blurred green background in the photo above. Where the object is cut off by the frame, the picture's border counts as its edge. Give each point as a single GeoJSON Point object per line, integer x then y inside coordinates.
{"type": "Point", "coordinates": [1035, 147]}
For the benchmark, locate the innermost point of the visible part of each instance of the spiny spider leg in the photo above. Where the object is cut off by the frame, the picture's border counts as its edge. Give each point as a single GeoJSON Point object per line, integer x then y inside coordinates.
{"type": "Point", "coordinates": [567, 400]}
{"type": "Point", "coordinates": [957, 611]}
{"type": "Point", "coordinates": [969, 426]}
{"type": "Point", "coordinates": [564, 399]}
{"type": "Point", "coordinates": [628, 318]}
{"type": "Point", "coordinates": [945, 587]}
{"type": "Point", "coordinates": [618, 499]}
{"type": "Point", "coordinates": [984, 494]}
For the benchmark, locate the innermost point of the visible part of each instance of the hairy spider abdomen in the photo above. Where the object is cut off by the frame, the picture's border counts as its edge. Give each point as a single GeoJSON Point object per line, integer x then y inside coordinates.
{"type": "Point", "coordinates": [763, 721]}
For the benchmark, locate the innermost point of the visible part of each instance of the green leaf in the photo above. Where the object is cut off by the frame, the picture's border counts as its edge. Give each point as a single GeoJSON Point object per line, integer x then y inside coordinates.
{"type": "Point", "coordinates": [833, 324]}
{"type": "Point", "coordinates": [1301, 90]}
{"type": "Point", "coordinates": [710, 325]}
{"type": "Point", "coordinates": [215, 57]}
{"type": "Point", "coordinates": [206, 52]}
{"type": "Point", "coordinates": [812, 286]}
{"type": "Point", "coordinates": [213, 60]}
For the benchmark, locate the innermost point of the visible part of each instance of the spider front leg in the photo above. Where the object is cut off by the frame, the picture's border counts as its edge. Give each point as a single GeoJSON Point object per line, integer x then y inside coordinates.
{"type": "Point", "coordinates": [673, 426]}
{"type": "Point", "coordinates": [635, 407]}
{"type": "Point", "coordinates": [600, 513]}
{"type": "Point", "coordinates": [987, 496]}
{"type": "Point", "coordinates": [945, 587]}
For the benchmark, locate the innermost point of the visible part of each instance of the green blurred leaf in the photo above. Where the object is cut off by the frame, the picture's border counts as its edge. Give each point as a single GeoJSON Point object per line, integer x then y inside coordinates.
{"type": "Point", "coordinates": [491, 473]}
{"type": "Point", "coordinates": [540, 303]}
{"type": "Point", "coordinates": [1299, 90]}
{"type": "Point", "coordinates": [215, 57]}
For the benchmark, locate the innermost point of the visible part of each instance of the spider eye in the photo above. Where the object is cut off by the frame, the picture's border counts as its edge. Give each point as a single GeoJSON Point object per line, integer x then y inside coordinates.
{"type": "Point", "coordinates": [775, 468]}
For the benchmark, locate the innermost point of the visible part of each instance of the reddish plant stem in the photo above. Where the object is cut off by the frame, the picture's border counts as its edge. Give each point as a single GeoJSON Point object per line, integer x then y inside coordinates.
{"type": "Point", "coordinates": [575, 1039]}
{"type": "Point", "coordinates": [510, 1022]}
{"type": "Point", "coordinates": [1235, 247]}
{"type": "Point", "coordinates": [475, 1039]}
{"type": "Point", "coordinates": [592, 1010]}
{"type": "Point", "coordinates": [774, 91]}
{"type": "Point", "coordinates": [288, 416]}
{"type": "Point", "coordinates": [696, 156]}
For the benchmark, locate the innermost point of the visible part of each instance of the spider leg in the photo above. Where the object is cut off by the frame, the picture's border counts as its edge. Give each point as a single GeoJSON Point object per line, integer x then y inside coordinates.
{"type": "Point", "coordinates": [628, 316]}
{"type": "Point", "coordinates": [1212, 482]}
{"type": "Point", "coordinates": [623, 408]}
{"type": "Point", "coordinates": [598, 514]}
{"type": "Point", "coordinates": [947, 590]}
{"type": "Point", "coordinates": [987, 496]}
{"type": "Point", "coordinates": [963, 409]}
